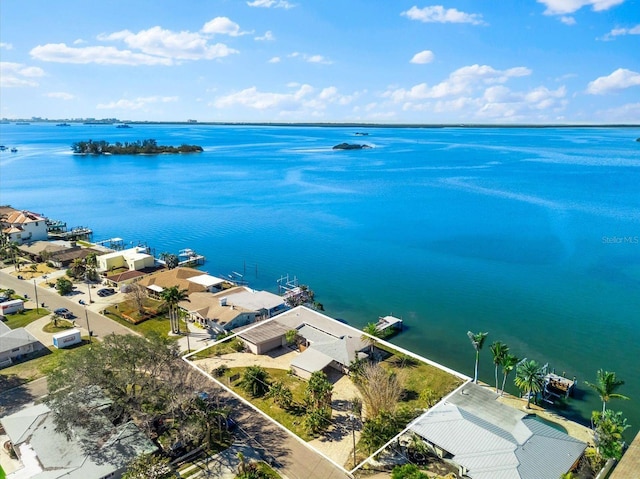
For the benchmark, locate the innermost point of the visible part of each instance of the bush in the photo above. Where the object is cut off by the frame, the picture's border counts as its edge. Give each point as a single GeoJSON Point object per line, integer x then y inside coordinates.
{"type": "Point", "coordinates": [220, 370]}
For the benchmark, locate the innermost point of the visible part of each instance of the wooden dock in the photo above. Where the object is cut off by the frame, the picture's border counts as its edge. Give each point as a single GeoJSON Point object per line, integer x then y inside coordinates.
{"type": "Point", "coordinates": [191, 258]}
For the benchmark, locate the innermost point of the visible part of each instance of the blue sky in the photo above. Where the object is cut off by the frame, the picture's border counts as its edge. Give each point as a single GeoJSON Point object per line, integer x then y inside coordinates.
{"type": "Point", "coordinates": [395, 61]}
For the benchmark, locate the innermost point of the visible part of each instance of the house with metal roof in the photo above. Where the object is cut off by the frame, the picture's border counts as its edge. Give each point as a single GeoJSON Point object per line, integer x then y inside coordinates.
{"type": "Point", "coordinates": [45, 453]}
{"type": "Point", "coordinates": [491, 440]}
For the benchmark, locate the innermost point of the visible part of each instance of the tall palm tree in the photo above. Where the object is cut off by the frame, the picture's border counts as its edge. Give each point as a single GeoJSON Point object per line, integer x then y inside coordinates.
{"type": "Point", "coordinates": [499, 350]}
{"type": "Point", "coordinates": [509, 362]}
{"type": "Point", "coordinates": [606, 386]}
{"type": "Point", "coordinates": [171, 297]}
{"type": "Point", "coordinates": [529, 378]}
{"type": "Point", "coordinates": [477, 340]}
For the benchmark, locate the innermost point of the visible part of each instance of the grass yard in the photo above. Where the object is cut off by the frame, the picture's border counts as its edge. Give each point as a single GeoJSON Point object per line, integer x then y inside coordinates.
{"type": "Point", "coordinates": [63, 325]}
{"type": "Point", "coordinates": [424, 384]}
{"type": "Point", "coordinates": [2, 475]}
{"type": "Point", "coordinates": [159, 324]}
{"type": "Point", "coordinates": [24, 317]}
{"type": "Point", "coordinates": [40, 365]}
{"type": "Point", "coordinates": [233, 345]}
{"type": "Point", "coordinates": [293, 418]}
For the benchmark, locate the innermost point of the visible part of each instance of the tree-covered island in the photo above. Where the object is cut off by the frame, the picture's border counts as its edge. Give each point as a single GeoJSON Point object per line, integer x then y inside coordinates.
{"type": "Point", "coordinates": [144, 147]}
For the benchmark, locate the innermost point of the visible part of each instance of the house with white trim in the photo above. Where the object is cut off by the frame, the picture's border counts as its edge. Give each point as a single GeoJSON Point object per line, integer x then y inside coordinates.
{"type": "Point", "coordinates": [134, 259]}
{"type": "Point", "coordinates": [22, 226]}
{"type": "Point", "coordinates": [15, 343]}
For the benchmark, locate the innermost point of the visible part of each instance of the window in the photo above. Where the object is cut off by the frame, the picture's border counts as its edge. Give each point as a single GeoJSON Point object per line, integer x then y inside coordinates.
{"type": "Point", "coordinates": [15, 350]}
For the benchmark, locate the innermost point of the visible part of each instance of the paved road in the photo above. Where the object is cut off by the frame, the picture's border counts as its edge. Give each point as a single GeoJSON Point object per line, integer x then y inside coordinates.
{"type": "Point", "coordinates": [100, 325]}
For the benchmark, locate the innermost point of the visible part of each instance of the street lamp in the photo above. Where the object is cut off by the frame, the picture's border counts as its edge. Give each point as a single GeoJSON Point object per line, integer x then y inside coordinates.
{"type": "Point", "coordinates": [86, 315]}
{"type": "Point", "coordinates": [36, 290]}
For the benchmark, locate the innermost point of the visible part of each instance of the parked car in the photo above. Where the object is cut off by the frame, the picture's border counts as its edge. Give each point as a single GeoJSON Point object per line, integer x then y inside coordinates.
{"type": "Point", "coordinates": [64, 312]}
{"type": "Point", "coordinates": [106, 292]}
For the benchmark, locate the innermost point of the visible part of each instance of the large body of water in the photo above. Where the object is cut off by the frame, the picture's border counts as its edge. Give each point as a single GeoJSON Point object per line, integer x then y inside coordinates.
{"type": "Point", "coordinates": [530, 234]}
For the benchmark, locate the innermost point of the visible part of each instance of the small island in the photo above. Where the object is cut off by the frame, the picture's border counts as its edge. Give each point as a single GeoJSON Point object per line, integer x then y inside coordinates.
{"type": "Point", "coordinates": [145, 147]}
{"type": "Point", "coordinates": [350, 146]}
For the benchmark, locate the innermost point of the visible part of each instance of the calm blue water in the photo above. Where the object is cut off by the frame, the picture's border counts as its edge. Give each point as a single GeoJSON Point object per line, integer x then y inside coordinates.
{"type": "Point", "coordinates": [499, 230]}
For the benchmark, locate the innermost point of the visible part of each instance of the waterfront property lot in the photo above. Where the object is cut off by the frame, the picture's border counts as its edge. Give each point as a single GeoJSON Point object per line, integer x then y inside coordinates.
{"type": "Point", "coordinates": [422, 385]}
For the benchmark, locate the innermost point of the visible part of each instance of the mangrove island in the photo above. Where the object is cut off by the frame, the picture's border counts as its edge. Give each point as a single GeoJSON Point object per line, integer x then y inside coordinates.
{"type": "Point", "coordinates": [145, 147]}
{"type": "Point", "coordinates": [350, 146]}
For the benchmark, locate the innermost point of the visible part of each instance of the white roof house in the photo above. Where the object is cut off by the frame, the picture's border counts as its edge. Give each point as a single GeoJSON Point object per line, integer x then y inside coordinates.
{"type": "Point", "coordinates": [491, 440]}
{"type": "Point", "coordinates": [208, 281]}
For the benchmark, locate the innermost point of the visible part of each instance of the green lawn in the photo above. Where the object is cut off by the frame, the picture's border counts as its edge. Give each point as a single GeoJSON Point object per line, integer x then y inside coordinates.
{"type": "Point", "coordinates": [24, 317]}
{"type": "Point", "coordinates": [63, 325]}
{"type": "Point", "coordinates": [2, 476]}
{"type": "Point", "coordinates": [232, 345]}
{"type": "Point", "coordinates": [159, 324]}
{"type": "Point", "coordinates": [291, 419]}
{"type": "Point", "coordinates": [39, 366]}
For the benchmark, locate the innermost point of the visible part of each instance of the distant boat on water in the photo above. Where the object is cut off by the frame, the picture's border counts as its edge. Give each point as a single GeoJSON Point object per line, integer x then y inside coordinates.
{"type": "Point", "coordinates": [2, 147]}
{"type": "Point", "coordinates": [123, 125]}
{"type": "Point", "coordinates": [63, 124]}
{"type": "Point", "coordinates": [360, 133]}
{"type": "Point", "coordinates": [14, 150]}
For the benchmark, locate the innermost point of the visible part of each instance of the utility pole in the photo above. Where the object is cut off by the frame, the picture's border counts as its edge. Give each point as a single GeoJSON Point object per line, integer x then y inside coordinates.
{"type": "Point", "coordinates": [352, 418]}
{"type": "Point", "coordinates": [36, 290]}
{"type": "Point", "coordinates": [86, 315]}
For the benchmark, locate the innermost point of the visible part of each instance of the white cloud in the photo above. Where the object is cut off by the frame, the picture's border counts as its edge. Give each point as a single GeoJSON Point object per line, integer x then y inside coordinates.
{"type": "Point", "coordinates": [616, 32]}
{"type": "Point", "coordinates": [462, 81]}
{"type": "Point", "coordinates": [6, 46]}
{"type": "Point", "coordinates": [568, 20]}
{"type": "Point", "coordinates": [61, 53]}
{"type": "Point", "coordinates": [222, 26]}
{"type": "Point", "coordinates": [310, 58]}
{"type": "Point", "coordinates": [274, 60]}
{"type": "Point", "coordinates": [267, 37]}
{"type": "Point", "coordinates": [271, 3]}
{"type": "Point", "coordinates": [562, 7]}
{"type": "Point", "coordinates": [18, 74]}
{"type": "Point", "coordinates": [60, 95]}
{"type": "Point", "coordinates": [79, 41]}
{"type": "Point", "coordinates": [618, 80]}
{"type": "Point", "coordinates": [425, 56]}
{"type": "Point", "coordinates": [438, 14]}
{"type": "Point", "coordinates": [301, 98]}
{"type": "Point", "coordinates": [154, 46]}
{"type": "Point", "coordinates": [135, 104]}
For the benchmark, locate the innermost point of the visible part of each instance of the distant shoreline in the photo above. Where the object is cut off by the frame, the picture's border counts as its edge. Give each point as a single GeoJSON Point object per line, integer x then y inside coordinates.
{"type": "Point", "coordinates": [341, 125]}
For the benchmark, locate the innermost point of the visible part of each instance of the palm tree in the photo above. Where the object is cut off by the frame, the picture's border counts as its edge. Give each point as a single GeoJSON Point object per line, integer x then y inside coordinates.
{"type": "Point", "coordinates": [499, 351]}
{"type": "Point", "coordinates": [171, 297]}
{"type": "Point", "coordinates": [255, 381]}
{"type": "Point", "coordinates": [529, 378]}
{"type": "Point", "coordinates": [477, 340]}
{"type": "Point", "coordinates": [509, 362]}
{"type": "Point", "coordinates": [606, 386]}
{"type": "Point", "coordinates": [372, 333]}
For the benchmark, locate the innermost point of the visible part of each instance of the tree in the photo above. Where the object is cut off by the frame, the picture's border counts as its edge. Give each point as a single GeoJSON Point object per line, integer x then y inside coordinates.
{"type": "Point", "coordinates": [408, 471]}
{"type": "Point", "coordinates": [609, 426]}
{"type": "Point", "coordinates": [477, 341]}
{"type": "Point", "coordinates": [509, 362]}
{"type": "Point", "coordinates": [148, 466]}
{"type": "Point", "coordinates": [78, 268]}
{"type": "Point", "coordinates": [291, 336]}
{"type": "Point", "coordinates": [255, 381]}
{"type": "Point", "coordinates": [171, 297]}
{"type": "Point", "coordinates": [170, 260]}
{"type": "Point", "coordinates": [529, 378]}
{"type": "Point", "coordinates": [381, 389]}
{"type": "Point", "coordinates": [137, 294]}
{"type": "Point", "coordinates": [498, 351]}
{"type": "Point", "coordinates": [371, 335]}
{"type": "Point", "coordinates": [140, 378]}
{"type": "Point", "coordinates": [378, 430]}
{"type": "Point", "coordinates": [64, 286]}
{"type": "Point", "coordinates": [281, 395]}
{"type": "Point", "coordinates": [318, 392]}
{"type": "Point", "coordinates": [606, 385]}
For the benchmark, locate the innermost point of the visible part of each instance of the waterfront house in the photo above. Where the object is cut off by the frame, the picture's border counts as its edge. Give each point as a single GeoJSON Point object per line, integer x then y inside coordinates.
{"type": "Point", "coordinates": [44, 452]}
{"type": "Point", "coordinates": [324, 342]}
{"type": "Point", "coordinates": [15, 343]}
{"type": "Point", "coordinates": [167, 278]}
{"type": "Point", "coordinates": [489, 440]}
{"type": "Point", "coordinates": [230, 308]}
{"type": "Point", "coordinates": [22, 226]}
{"type": "Point", "coordinates": [133, 259]}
